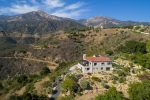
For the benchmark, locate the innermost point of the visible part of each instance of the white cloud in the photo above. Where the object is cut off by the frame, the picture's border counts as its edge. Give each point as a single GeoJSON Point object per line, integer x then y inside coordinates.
{"type": "Point", "coordinates": [74, 6]}
{"type": "Point", "coordinates": [55, 7]}
{"type": "Point", "coordinates": [19, 9]}
{"type": "Point", "coordinates": [54, 3]}
{"type": "Point", "coordinates": [69, 14]}
{"type": "Point", "coordinates": [70, 11]}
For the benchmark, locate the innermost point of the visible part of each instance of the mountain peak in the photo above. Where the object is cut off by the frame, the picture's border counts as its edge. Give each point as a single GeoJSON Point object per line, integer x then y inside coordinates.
{"type": "Point", "coordinates": [101, 17]}
{"type": "Point", "coordinates": [101, 20]}
{"type": "Point", "coordinates": [39, 14]}
{"type": "Point", "coordinates": [36, 22]}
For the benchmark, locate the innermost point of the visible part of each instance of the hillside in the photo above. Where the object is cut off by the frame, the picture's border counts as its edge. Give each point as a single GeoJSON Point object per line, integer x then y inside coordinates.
{"type": "Point", "coordinates": [70, 46]}
{"type": "Point", "coordinates": [36, 67]}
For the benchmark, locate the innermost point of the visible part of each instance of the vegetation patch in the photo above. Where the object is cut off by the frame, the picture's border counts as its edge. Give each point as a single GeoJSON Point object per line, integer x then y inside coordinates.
{"type": "Point", "coordinates": [140, 91]}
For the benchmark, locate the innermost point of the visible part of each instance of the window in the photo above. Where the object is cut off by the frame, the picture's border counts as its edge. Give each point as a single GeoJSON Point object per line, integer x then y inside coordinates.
{"type": "Point", "coordinates": [88, 69]}
{"type": "Point", "coordinates": [95, 64]}
{"type": "Point", "coordinates": [107, 68]}
{"type": "Point", "coordinates": [101, 68]}
{"type": "Point", "coordinates": [108, 63]}
{"type": "Point", "coordinates": [102, 63]}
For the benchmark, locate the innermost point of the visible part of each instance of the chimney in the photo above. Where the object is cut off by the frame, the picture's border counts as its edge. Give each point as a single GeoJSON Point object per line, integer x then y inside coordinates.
{"type": "Point", "coordinates": [94, 55]}
{"type": "Point", "coordinates": [84, 56]}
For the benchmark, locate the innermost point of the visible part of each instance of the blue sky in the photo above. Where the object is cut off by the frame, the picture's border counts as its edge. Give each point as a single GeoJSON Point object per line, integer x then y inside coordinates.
{"type": "Point", "coordinates": [136, 10]}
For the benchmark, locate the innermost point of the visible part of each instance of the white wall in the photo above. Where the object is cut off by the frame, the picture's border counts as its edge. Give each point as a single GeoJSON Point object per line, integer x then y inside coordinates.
{"type": "Point", "coordinates": [95, 68]}
{"type": "Point", "coordinates": [101, 67]}
{"type": "Point", "coordinates": [84, 68]}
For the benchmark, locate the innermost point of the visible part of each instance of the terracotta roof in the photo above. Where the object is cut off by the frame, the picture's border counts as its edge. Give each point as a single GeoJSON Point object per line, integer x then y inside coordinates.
{"type": "Point", "coordinates": [98, 59]}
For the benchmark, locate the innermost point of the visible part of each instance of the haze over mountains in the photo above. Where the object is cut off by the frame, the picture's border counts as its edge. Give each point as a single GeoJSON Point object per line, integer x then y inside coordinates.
{"type": "Point", "coordinates": [39, 22]}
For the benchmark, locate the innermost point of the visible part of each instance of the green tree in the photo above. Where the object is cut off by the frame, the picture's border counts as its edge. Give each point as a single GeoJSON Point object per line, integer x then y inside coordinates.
{"type": "Point", "coordinates": [109, 52]}
{"type": "Point", "coordinates": [133, 47]}
{"type": "Point", "coordinates": [23, 79]}
{"type": "Point", "coordinates": [111, 94]}
{"type": "Point", "coordinates": [28, 96]}
{"type": "Point", "coordinates": [69, 85]}
{"type": "Point", "coordinates": [45, 71]}
{"type": "Point", "coordinates": [1, 86]}
{"type": "Point", "coordinates": [140, 91]}
{"type": "Point", "coordinates": [148, 46]}
{"type": "Point", "coordinates": [70, 97]}
{"type": "Point", "coordinates": [84, 84]}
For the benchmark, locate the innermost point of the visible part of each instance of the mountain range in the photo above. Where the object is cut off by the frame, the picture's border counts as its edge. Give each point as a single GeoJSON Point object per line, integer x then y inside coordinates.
{"type": "Point", "coordinates": [39, 23]}
{"type": "Point", "coordinates": [108, 22]}
{"type": "Point", "coordinates": [36, 22]}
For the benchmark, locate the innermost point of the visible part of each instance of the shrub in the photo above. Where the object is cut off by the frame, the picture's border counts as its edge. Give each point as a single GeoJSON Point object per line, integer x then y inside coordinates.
{"type": "Point", "coordinates": [109, 52]}
{"type": "Point", "coordinates": [115, 78]}
{"type": "Point", "coordinates": [49, 90]}
{"type": "Point", "coordinates": [122, 79]}
{"type": "Point", "coordinates": [103, 83]}
{"type": "Point", "coordinates": [1, 86]}
{"type": "Point", "coordinates": [23, 79]}
{"type": "Point", "coordinates": [45, 71]}
{"type": "Point", "coordinates": [28, 96]}
{"type": "Point", "coordinates": [70, 97]}
{"type": "Point", "coordinates": [111, 94]}
{"type": "Point", "coordinates": [143, 60]}
{"type": "Point", "coordinates": [133, 47]}
{"type": "Point", "coordinates": [1, 66]}
{"type": "Point", "coordinates": [96, 79]}
{"type": "Point", "coordinates": [69, 85]}
{"type": "Point", "coordinates": [148, 46]}
{"type": "Point", "coordinates": [85, 85]}
{"type": "Point", "coordinates": [140, 91]}
{"type": "Point", "coordinates": [121, 73]}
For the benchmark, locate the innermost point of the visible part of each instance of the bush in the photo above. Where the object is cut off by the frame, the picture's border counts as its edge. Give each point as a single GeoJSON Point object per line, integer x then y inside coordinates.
{"type": "Point", "coordinates": [143, 60]}
{"type": "Point", "coordinates": [122, 79]}
{"type": "Point", "coordinates": [70, 97]}
{"type": "Point", "coordinates": [96, 79]}
{"type": "Point", "coordinates": [109, 52]}
{"type": "Point", "coordinates": [122, 73]}
{"type": "Point", "coordinates": [1, 66]}
{"type": "Point", "coordinates": [103, 83]}
{"type": "Point", "coordinates": [115, 78]}
{"type": "Point", "coordinates": [1, 86]}
{"type": "Point", "coordinates": [49, 90]}
{"type": "Point", "coordinates": [69, 85]}
{"type": "Point", "coordinates": [33, 78]}
{"type": "Point", "coordinates": [148, 46]}
{"type": "Point", "coordinates": [23, 79]}
{"type": "Point", "coordinates": [133, 47]}
{"type": "Point", "coordinates": [111, 94]}
{"type": "Point", "coordinates": [45, 71]}
{"type": "Point", "coordinates": [85, 85]}
{"type": "Point", "coordinates": [140, 91]}
{"type": "Point", "coordinates": [28, 96]}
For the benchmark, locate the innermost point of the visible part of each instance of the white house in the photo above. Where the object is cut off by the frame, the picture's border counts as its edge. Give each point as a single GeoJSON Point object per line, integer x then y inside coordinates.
{"type": "Point", "coordinates": [95, 64]}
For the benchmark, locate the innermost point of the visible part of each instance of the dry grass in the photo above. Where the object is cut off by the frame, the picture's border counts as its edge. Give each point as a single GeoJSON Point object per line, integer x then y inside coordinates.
{"type": "Point", "coordinates": [39, 86]}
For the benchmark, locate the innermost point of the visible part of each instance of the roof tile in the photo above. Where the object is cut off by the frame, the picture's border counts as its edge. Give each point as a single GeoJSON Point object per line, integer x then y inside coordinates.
{"type": "Point", "coordinates": [98, 59]}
